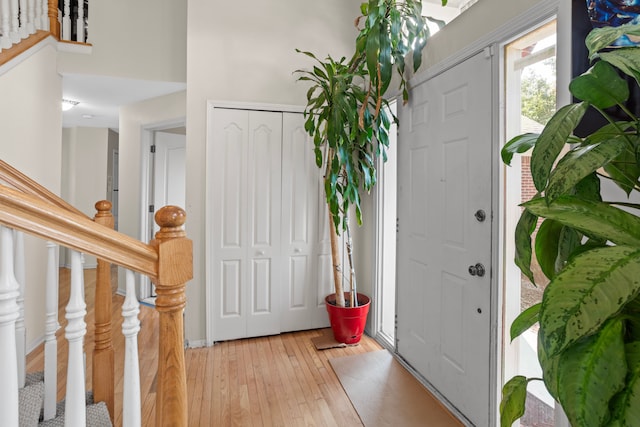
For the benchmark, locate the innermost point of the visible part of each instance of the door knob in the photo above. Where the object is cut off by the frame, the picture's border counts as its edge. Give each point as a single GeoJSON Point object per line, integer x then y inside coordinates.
{"type": "Point", "coordinates": [477, 270]}
{"type": "Point", "coordinates": [480, 215]}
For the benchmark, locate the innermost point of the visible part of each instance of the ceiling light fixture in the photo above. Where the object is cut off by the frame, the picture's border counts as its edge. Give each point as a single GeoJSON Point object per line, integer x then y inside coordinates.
{"type": "Point", "coordinates": [68, 104]}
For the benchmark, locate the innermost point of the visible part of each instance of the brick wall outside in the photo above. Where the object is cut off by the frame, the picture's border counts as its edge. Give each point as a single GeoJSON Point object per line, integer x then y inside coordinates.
{"type": "Point", "coordinates": [528, 189]}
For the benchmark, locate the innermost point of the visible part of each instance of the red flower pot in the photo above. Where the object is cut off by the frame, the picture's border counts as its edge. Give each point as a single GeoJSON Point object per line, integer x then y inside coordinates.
{"type": "Point", "coordinates": [348, 323]}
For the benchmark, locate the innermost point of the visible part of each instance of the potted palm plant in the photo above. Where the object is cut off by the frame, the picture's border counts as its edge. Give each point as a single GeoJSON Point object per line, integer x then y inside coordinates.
{"type": "Point", "coordinates": [348, 118]}
{"type": "Point", "coordinates": [588, 245]}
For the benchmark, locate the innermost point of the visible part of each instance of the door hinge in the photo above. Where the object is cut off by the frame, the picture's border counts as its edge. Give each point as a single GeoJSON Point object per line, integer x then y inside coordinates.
{"type": "Point", "coordinates": [489, 51]}
{"type": "Point", "coordinates": [153, 148]}
{"type": "Point", "coordinates": [152, 208]}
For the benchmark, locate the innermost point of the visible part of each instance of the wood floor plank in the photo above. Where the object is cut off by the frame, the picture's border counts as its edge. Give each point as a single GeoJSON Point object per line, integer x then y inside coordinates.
{"type": "Point", "coordinates": [279, 380]}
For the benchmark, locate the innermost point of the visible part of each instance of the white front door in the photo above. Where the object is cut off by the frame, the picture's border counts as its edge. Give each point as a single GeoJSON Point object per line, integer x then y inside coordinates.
{"type": "Point", "coordinates": [444, 187]}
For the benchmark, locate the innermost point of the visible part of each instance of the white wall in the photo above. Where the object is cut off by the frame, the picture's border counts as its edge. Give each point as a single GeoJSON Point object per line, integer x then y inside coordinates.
{"type": "Point", "coordinates": [142, 39]}
{"type": "Point", "coordinates": [245, 52]}
{"type": "Point", "coordinates": [85, 156]}
{"type": "Point", "coordinates": [30, 121]}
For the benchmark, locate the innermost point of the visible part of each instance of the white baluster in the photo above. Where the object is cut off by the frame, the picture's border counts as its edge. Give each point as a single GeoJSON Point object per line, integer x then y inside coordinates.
{"type": "Point", "coordinates": [5, 40]}
{"type": "Point", "coordinates": [74, 333]}
{"type": "Point", "coordinates": [31, 16]}
{"type": "Point", "coordinates": [51, 326]}
{"type": "Point", "coordinates": [66, 21]}
{"type": "Point", "coordinates": [8, 315]}
{"type": "Point", "coordinates": [130, 326]}
{"type": "Point", "coordinates": [80, 22]}
{"type": "Point", "coordinates": [21, 333]}
{"type": "Point", "coordinates": [42, 11]}
{"type": "Point", "coordinates": [15, 25]}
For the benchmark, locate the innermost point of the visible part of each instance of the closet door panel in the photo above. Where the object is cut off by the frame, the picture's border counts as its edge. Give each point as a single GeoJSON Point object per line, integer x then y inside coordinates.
{"type": "Point", "coordinates": [300, 181]}
{"type": "Point", "coordinates": [231, 130]}
{"type": "Point", "coordinates": [264, 172]}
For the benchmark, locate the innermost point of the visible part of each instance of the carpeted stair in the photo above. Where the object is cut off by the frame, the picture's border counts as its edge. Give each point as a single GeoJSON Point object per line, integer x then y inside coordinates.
{"type": "Point", "coordinates": [31, 402]}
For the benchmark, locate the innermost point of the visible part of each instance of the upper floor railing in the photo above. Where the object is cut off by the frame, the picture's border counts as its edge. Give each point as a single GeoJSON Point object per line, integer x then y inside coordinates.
{"type": "Point", "coordinates": [24, 23]}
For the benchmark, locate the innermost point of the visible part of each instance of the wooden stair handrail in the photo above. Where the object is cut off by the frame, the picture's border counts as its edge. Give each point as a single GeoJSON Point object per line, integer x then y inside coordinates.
{"type": "Point", "coordinates": [167, 260]}
{"type": "Point", "coordinates": [34, 216]}
{"type": "Point", "coordinates": [20, 181]}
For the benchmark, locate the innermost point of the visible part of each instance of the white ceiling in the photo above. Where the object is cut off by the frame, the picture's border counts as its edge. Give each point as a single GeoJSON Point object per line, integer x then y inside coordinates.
{"type": "Point", "coordinates": [101, 97]}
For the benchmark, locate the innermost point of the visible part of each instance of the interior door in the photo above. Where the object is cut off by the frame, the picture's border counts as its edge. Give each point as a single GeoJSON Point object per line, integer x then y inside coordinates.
{"type": "Point", "coordinates": [444, 234]}
{"type": "Point", "coordinates": [169, 171]}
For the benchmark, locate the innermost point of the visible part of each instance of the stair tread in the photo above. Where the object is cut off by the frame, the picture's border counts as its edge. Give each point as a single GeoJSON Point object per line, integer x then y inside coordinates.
{"type": "Point", "coordinates": [97, 413]}
{"type": "Point", "coordinates": [97, 416]}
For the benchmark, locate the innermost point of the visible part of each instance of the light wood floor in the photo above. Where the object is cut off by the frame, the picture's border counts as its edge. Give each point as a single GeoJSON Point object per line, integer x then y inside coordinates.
{"type": "Point", "coordinates": [280, 380]}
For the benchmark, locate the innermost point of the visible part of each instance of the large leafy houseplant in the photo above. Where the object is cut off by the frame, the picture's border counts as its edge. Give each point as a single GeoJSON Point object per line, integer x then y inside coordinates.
{"type": "Point", "coordinates": [588, 245]}
{"type": "Point", "coordinates": [347, 113]}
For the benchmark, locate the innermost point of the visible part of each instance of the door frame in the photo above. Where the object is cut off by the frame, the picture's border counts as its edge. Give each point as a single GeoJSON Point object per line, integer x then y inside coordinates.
{"type": "Point", "coordinates": [146, 190]}
{"type": "Point", "coordinates": [492, 43]}
{"type": "Point", "coordinates": [381, 224]}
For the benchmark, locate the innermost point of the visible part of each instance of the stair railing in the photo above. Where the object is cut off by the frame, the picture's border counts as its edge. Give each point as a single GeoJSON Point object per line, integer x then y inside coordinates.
{"type": "Point", "coordinates": [167, 261]}
{"type": "Point", "coordinates": [23, 23]}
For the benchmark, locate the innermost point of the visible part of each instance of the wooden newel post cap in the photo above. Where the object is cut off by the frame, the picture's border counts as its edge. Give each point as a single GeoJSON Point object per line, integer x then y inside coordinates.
{"type": "Point", "coordinates": [170, 219]}
{"type": "Point", "coordinates": [103, 207]}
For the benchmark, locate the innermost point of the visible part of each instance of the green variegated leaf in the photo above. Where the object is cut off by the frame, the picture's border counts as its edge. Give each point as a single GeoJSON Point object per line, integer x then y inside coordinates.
{"type": "Point", "coordinates": [525, 320]}
{"type": "Point", "coordinates": [624, 170]}
{"type": "Point", "coordinates": [626, 406]}
{"type": "Point", "coordinates": [568, 242]}
{"type": "Point", "coordinates": [546, 246]}
{"type": "Point", "coordinates": [593, 218]}
{"type": "Point", "coordinates": [524, 228]}
{"type": "Point", "coordinates": [626, 60]}
{"type": "Point", "coordinates": [552, 139]}
{"type": "Point", "coordinates": [592, 288]}
{"type": "Point", "coordinates": [519, 144]}
{"type": "Point", "coordinates": [579, 163]}
{"type": "Point", "coordinates": [589, 188]}
{"type": "Point", "coordinates": [514, 395]}
{"type": "Point", "coordinates": [549, 367]}
{"type": "Point", "coordinates": [590, 373]}
{"type": "Point", "coordinates": [600, 38]}
{"type": "Point", "coordinates": [601, 86]}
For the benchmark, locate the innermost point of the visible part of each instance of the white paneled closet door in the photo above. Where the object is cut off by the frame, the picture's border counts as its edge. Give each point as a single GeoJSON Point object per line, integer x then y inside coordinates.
{"type": "Point", "coordinates": [269, 257]}
{"type": "Point", "coordinates": [246, 265]}
{"type": "Point", "coordinates": [304, 284]}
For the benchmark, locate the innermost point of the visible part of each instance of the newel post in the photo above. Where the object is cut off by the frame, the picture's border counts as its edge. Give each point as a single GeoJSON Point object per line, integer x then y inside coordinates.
{"type": "Point", "coordinates": [175, 268]}
{"type": "Point", "coordinates": [54, 24]}
{"type": "Point", "coordinates": [103, 353]}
